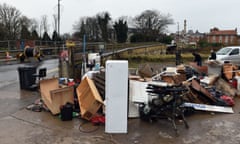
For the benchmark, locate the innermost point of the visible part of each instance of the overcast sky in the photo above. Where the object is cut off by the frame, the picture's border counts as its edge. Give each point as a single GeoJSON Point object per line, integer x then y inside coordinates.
{"type": "Point", "coordinates": [201, 15]}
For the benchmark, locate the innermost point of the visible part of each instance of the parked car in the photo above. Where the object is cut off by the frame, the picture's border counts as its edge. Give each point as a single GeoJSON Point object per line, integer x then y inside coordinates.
{"type": "Point", "coordinates": [229, 54]}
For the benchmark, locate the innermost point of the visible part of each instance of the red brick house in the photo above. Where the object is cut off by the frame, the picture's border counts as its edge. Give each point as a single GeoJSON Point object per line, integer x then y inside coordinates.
{"type": "Point", "coordinates": [226, 37]}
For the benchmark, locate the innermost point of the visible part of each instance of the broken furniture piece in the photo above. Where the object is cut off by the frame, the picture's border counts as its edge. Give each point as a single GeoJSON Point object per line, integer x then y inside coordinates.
{"type": "Point", "coordinates": [165, 102]}
{"type": "Point", "coordinates": [54, 96]}
{"type": "Point", "coordinates": [89, 99]}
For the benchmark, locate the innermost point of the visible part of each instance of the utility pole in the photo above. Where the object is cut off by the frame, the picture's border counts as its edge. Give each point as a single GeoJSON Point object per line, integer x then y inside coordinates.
{"type": "Point", "coordinates": [61, 63]}
{"type": "Point", "coordinates": [177, 32]}
{"type": "Point", "coordinates": [59, 18]}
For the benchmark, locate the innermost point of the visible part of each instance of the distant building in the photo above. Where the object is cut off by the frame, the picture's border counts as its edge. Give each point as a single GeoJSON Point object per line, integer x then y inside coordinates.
{"type": "Point", "coordinates": [194, 37]}
{"type": "Point", "coordinates": [226, 37]}
{"type": "Point", "coordinates": [188, 37]}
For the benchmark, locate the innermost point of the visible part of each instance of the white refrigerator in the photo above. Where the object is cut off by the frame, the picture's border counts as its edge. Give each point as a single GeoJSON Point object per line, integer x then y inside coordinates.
{"type": "Point", "coordinates": [116, 98]}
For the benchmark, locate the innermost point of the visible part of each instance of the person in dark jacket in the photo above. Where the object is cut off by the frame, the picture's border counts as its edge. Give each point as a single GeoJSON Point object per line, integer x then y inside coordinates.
{"type": "Point", "coordinates": [213, 55]}
{"type": "Point", "coordinates": [178, 57]}
{"type": "Point", "coordinates": [197, 58]}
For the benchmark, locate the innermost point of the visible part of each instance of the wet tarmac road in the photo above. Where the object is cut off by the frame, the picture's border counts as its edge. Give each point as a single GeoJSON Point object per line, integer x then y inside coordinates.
{"type": "Point", "coordinates": [9, 72]}
{"type": "Point", "coordinates": [21, 126]}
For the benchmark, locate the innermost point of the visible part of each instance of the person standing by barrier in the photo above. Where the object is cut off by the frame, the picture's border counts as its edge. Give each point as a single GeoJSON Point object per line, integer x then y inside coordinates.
{"type": "Point", "coordinates": [197, 58]}
{"type": "Point", "coordinates": [178, 57]}
{"type": "Point", "coordinates": [213, 55]}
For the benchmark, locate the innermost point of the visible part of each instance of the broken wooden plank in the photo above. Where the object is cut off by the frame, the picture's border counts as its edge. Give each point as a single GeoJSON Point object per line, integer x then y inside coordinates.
{"type": "Point", "coordinates": [196, 85]}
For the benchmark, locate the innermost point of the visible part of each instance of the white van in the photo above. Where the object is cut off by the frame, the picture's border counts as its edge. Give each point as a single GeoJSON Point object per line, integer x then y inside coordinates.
{"type": "Point", "coordinates": [229, 54]}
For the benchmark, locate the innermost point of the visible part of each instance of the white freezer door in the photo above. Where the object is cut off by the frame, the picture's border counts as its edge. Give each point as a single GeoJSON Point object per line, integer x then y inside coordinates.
{"type": "Point", "coordinates": [116, 86]}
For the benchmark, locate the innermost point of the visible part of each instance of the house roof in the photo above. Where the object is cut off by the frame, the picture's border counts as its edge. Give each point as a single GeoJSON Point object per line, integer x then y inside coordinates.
{"type": "Point", "coordinates": [223, 32]}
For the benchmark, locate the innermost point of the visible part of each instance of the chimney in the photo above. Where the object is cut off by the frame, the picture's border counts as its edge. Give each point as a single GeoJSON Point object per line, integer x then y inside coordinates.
{"type": "Point", "coordinates": [185, 26]}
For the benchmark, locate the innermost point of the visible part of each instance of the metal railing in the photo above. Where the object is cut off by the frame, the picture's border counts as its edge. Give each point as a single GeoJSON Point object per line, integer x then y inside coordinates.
{"type": "Point", "coordinates": [54, 48]}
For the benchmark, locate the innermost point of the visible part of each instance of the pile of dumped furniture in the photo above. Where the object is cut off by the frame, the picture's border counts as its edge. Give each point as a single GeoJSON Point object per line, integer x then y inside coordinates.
{"type": "Point", "coordinates": [175, 91]}
{"type": "Point", "coordinates": [168, 92]}
{"type": "Point", "coordinates": [84, 97]}
{"type": "Point", "coordinates": [214, 84]}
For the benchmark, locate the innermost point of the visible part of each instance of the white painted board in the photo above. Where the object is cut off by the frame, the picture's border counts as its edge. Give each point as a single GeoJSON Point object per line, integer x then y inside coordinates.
{"type": "Point", "coordinates": [212, 108]}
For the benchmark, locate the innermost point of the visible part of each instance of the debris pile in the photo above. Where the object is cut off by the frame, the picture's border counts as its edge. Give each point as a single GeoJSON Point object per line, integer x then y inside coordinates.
{"type": "Point", "coordinates": [212, 84]}
{"type": "Point", "coordinates": [167, 91]}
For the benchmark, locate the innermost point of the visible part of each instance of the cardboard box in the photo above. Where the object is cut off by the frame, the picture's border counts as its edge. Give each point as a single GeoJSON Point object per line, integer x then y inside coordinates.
{"type": "Point", "coordinates": [53, 96]}
{"type": "Point", "coordinates": [89, 98]}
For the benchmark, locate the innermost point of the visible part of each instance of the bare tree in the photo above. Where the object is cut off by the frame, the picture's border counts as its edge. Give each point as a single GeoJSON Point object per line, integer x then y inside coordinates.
{"type": "Point", "coordinates": [121, 29]}
{"type": "Point", "coordinates": [153, 22]}
{"type": "Point", "coordinates": [92, 28]}
{"type": "Point", "coordinates": [28, 28]}
{"type": "Point", "coordinates": [25, 21]}
{"type": "Point", "coordinates": [43, 26]}
{"type": "Point", "coordinates": [89, 27]}
{"type": "Point", "coordinates": [44, 23]}
{"type": "Point", "coordinates": [2, 32]}
{"type": "Point", "coordinates": [103, 22]}
{"type": "Point", "coordinates": [34, 25]}
{"type": "Point", "coordinates": [79, 27]}
{"type": "Point", "coordinates": [55, 22]}
{"type": "Point", "coordinates": [40, 28]}
{"type": "Point", "coordinates": [10, 20]}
